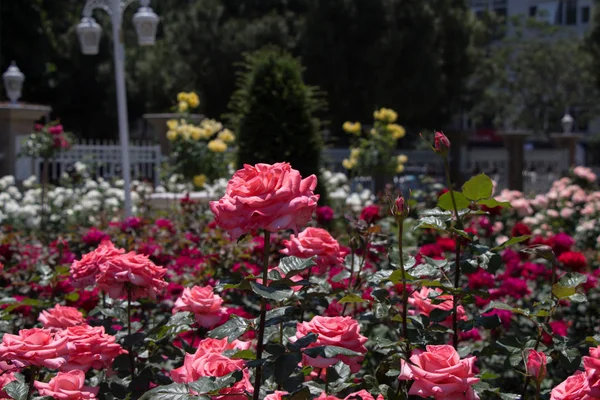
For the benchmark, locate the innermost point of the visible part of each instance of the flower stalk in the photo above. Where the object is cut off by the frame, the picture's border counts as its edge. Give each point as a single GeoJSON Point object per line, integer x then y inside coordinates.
{"type": "Point", "coordinates": [263, 316]}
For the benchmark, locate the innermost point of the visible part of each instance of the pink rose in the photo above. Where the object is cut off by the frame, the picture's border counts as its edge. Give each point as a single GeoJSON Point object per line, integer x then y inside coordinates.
{"type": "Point", "coordinates": [271, 197]}
{"type": "Point", "coordinates": [334, 331]}
{"type": "Point", "coordinates": [56, 129]}
{"type": "Point", "coordinates": [441, 144]}
{"type": "Point", "coordinates": [325, 396]}
{"type": "Point", "coordinates": [61, 317]}
{"type": "Point", "coordinates": [362, 394]}
{"type": "Point", "coordinates": [38, 347]}
{"type": "Point", "coordinates": [143, 277]}
{"type": "Point", "coordinates": [84, 271]}
{"type": "Point", "coordinates": [421, 301]}
{"type": "Point", "coordinates": [89, 347]}
{"type": "Point", "coordinates": [7, 375]}
{"type": "Point", "coordinates": [313, 242]}
{"type": "Point", "coordinates": [213, 364]}
{"type": "Point", "coordinates": [440, 373]}
{"type": "Point", "coordinates": [67, 386]}
{"type": "Point", "coordinates": [574, 387]}
{"type": "Point", "coordinates": [536, 365]}
{"type": "Point", "coordinates": [277, 395]}
{"type": "Point", "coordinates": [205, 305]}
{"type": "Point", "coordinates": [591, 364]}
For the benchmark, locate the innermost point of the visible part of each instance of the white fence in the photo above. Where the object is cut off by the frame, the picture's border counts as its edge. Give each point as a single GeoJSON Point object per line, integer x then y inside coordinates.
{"type": "Point", "coordinates": [103, 159]}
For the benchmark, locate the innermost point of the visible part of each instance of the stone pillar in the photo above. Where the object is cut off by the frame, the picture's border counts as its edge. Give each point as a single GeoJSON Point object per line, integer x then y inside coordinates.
{"type": "Point", "coordinates": [514, 141]}
{"type": "Point", "coordinates": [16, 123]}
{"type": "Point", "coordinates": [569, 142]}
{"type": "Point", "coordinates": [158, 124]}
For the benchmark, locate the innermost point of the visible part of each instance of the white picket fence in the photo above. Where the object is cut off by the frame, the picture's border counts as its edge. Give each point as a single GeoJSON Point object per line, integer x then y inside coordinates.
{"type": "Point", "coordinates": [103, 159]}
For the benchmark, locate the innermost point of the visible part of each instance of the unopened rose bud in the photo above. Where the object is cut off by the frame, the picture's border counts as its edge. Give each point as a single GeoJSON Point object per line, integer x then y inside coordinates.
{"type": "Point", "coordinates": [400, 208]}
{"type": "Point", "coordinates": [400, 204]}
{"type": "Point", "coordinates": [441, 144]}
{"type": "Point", "coordinates": [536, 365]}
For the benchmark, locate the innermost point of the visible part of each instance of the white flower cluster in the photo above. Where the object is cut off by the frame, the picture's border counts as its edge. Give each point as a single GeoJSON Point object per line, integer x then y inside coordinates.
{"type": "Point", "coordinates": [86, 203]}
{"type": "Point", "coordinates": [338, 190]}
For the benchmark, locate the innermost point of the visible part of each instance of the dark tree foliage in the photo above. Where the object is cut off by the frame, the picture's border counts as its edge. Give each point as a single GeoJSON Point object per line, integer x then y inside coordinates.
{"type": "Point", "coordinates": [273, 113]}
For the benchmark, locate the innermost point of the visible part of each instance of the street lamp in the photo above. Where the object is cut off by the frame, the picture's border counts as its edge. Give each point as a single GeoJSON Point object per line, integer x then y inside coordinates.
{"type": "Point", "coordinates": [567, 123]}
{"type": "Point", "coordinates": [13, 82]}
{"type": "Point", "coordinates": [89, 33]}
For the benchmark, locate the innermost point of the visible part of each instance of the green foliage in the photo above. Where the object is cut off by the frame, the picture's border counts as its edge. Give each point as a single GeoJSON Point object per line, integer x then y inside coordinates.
{"type": "Point", "coordinates": [273, 113]}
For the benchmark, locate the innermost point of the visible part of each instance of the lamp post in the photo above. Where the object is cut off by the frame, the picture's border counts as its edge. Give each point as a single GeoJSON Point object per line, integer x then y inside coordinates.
{"type": "Point", "coordinates": [13, 82]}
{"type": "Point", "coordinates": [89, 33]}
{"type": "Point", "coordinates": [567, 123]}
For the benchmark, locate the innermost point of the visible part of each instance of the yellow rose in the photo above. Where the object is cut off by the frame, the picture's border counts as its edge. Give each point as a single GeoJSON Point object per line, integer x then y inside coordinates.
{"type": "Point", "coordinates": [386, 115]}
{"type": "Point", "coordinates": [402, 159]}
{"type": "Point", "coordinates": [182, 96]}
{"type": "Point", "coordinates": [396, 130]}
{"type": "Point", "coordinates": [211, 125]}
{"type": "Point", "coordinates": [352, 127]}
{"type": "Point", "coordinates": [196, 133]}
{"type": "Point", "coordinates": [199, 180]}
{"type": "Point", "coordinates": [185, 131]}
{"type": "Point", "coordinates": [348, 164]}
{"type": "Point", "coordinates": [183, 106]}
{"type": "Point", "coordinates": [172, 124]}
{"type": "Point", "coordinates": [193, 100]}
{"type": "Point", "coordinates": [171, 135]}
{"type": "Point", "coordinates": [226, 135]}
{"type": "Point", "coordinates": [373, 132]}
{"type": "Point", "coordinates": [217, 146]}
{"type": "Point", "coordinates": [400, 168]}
{"type": "Point", "coordinates": [354, 154]}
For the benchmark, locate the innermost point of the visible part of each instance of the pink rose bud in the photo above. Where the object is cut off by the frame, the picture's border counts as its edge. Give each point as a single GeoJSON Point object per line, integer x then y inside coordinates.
{"type": "Point", "coordinates": [441, 144]}
{"type": "Point", "coordinates": [536, 365]}
{"type": "Point", "coordinates": [400, 204]}
{"type": "Point", "coordinates": [38, 127]}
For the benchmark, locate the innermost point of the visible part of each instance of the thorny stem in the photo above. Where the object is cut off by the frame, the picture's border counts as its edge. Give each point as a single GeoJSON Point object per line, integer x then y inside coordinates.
{"type": "Point", "coordinates": [402, 384]}
{"type": "Point", "coordinates": [455, 297]}
{"type": "Point", "coordinates": [263, 316]}
{"type": "Point", "coordinates": [131, 355]}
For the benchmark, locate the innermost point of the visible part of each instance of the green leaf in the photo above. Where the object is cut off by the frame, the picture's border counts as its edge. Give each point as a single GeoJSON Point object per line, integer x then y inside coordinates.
{"type": "Point", "coordinates": [17, 390]}
{"type": "Point", "coordinates": [285, 365]}
{"type": "Point", "coordinates": [232, 329]}
{"type": "Point", "coordinates": [290, 266]}
{"type": "Point", "coordinates": [351, 298]}
{"type": "Point", "coordinates": [210, 384]}
{"type": "Point", "coordinates": [477, 188]}
{"type": "Point", "coordinates": [445, 201]}
{"type": "Point", "coordinates": [277, 315]}
{"type": "Point", "coordinates": [503, 306]}
{"type": "Point", "coordinates": [562, 292]}
{"type": "Point", "coordinates": [430, 223]}
{"type": "Point", "coordinates": [174, 391]}
{"type": "Point", "coordinates": [277, 293]}
{"type": "Point", "coordinates": [511, 241]}
{"type": "Point", "coordinates": [492, 203]}
{"type": "Point", "coordinates": [572, 279]}
{"type": "Point", "coordinates": [243, 355]}
{"type": "Point", "coordinates": [302, 342]}
{"type": "Point", "coordinates": [566, 287]}
{"type": "Point", "coordinates": [329, 351]}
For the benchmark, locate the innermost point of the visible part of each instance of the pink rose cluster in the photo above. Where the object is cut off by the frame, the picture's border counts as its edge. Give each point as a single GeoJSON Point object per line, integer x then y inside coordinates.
{"type": "Point", "coordinates": [117, 272]}
{"type": "Point", "coordinates": [208, 360]}
{"type": "Point", "coordinates": [315, 242]}
{"type": "Point", "coordinates": [424, 303]}
{"type": "Point", "coordinates": [271, 197]}
{"type": "Point", "coordinates": [439, 372]}
{"type": "Point", "coordinates": [204, 303]}
{"type": "Point", "coordinates": [334, 331]}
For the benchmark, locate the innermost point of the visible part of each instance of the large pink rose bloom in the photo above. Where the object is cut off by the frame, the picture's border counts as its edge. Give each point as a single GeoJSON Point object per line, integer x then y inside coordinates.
{"type": "Point", "coordinates": [187, 371]}
{"type": "Point", "coordinates": [334, 331]}
{"type": "Point", "coordinates": [574, 387]}
{"type": "Point", "coordinates": [271, 197]}
{"type": "Point", "coordinates": [89, 347]}
{"type": "Point", "coordinates": [67, 386]}
{"type": "Point", "coordinates": [440, 373]}
{"type": "Point", "coordinates": [146, 279]}
{"type": "Point", "coordinates": [213, 364]}
{"type": "Point", "coordinates": [204, 303]}
{"type": "Point", "coordinates": [591, 364]}
{"type": "Point", "coordinates": [37, 347]}
{"type": "Point", "coordinates": [317, 242]}
{"type": "Point", "coordinates": [422, 303]}
{"type": "Point", "coordinates": [61, 317]}
{"type": "Point", "coordinates": [84, 271]}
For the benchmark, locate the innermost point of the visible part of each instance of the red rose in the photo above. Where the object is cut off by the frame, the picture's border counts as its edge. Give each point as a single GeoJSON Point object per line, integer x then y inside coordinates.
{"type": "Point", "coordinates": [271, 197]}
{"type": "Point", "coordinates": [324, 215]}
{"type": "Point", "coordinates": [313, 242]}
{"type": "Point", "coordinates": [440, 373]}
{"type": "Point", "coordinates": [573, 261]}
{"type": "Point", "coordinates": [334, 331]}
{"type": "Point", "coordinates": [56, 129]}
{"type": "Point", "coordinates": [67, 386]}
{"type": "Point", "coordinates": [370, 214]}
{"type": "Point", "coordinates": [520, 229]}
{"type": "Point", "coordinates": [447, 244]}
